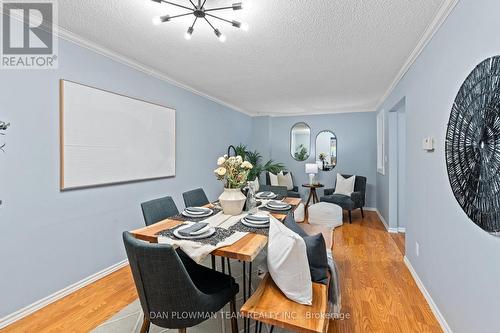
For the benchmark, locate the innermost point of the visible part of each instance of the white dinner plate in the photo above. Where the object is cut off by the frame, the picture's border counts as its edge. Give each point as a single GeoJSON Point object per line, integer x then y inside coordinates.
{"type": "Point", "coordinates": [257, 222]}
{"type": "Point", "coordinates": [207, 234]}
{"type": "Point", "coordinates": [287, 207]}
{"type": "Point", "coordinates": [205, 211]}
{"type": "Point", "coordinates": [251, 225]}
{"type": "Point", "coordinates": [259, 196]}
{"type": "Point", "coordinates": [208, 213]}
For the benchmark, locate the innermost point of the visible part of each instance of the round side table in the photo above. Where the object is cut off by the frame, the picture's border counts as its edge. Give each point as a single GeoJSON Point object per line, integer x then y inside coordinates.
{"type": "Point", "coordinates": [312, 194]}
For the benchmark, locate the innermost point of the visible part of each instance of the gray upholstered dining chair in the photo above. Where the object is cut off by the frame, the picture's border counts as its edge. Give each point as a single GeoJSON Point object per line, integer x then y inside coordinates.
{"type": "Point", "coordinates": [279, 190]}
{"type": "Point", "coordinates": [176, 293]}
{"type": "Point", "coordinates": [158, 209]}
{"type": "Point", "coordinates": [195, 198]}
{"type": "Point", "coordinates": [354, 201]}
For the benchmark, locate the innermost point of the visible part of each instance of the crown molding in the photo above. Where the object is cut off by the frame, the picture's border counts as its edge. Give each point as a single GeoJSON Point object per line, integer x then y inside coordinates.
{"type": "Point", "coordinates": [80, 41]}
{"type": "Point", "coordinates": [313, 113]}
{"type": "Point", "coordinates": [441, 16]}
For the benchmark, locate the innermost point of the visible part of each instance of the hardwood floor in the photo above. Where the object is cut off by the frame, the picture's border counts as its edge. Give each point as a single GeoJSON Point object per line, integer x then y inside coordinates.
{"type": "Point", "coordinates": [83, 310]}
{"type": "Point", "coordinates": [378, 291]}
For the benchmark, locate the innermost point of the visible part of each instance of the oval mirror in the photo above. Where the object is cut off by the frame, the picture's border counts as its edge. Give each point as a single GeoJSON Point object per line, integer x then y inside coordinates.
{"type": "Point", "coordinates": [300, 141]}
{"type": "Point", "coordinates": [326, 150]}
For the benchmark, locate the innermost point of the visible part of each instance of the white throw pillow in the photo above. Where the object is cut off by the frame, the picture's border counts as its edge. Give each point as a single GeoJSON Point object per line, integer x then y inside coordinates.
{"type": "Point", "coordinates": [285, 180]}
{"type": "Point", "coordinates": [287, 263]}
{"type": "Point", "coordinates": [344, 186]}
{"type": "Point", "coordinates": [274, 179]}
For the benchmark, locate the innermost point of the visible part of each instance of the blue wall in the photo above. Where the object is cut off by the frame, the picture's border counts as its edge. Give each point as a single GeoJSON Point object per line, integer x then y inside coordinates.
{"type": "Point", "coordinates": [458, 261]}
{"type": "Point", "coordinates": [50, 239]}
{"type": "Point", "coordinates": [356, 146]}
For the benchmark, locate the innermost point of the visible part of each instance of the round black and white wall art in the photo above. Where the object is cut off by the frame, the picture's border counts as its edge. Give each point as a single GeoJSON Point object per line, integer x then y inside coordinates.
{"type": "Point", "coordinates": [473, 146]}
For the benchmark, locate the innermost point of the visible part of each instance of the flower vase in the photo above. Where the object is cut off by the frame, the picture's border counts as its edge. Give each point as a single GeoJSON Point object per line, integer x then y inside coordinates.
{"type": "Point", "coordinates": [232, 201]}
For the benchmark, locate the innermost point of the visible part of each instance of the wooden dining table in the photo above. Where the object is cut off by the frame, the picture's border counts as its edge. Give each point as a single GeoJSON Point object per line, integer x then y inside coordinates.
{"type": "Point", "coordinates": [245, 249]}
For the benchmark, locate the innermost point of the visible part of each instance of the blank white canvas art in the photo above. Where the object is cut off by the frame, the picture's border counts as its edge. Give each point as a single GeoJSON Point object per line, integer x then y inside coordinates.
{"type": "Point", "coordinates": [109, 138]}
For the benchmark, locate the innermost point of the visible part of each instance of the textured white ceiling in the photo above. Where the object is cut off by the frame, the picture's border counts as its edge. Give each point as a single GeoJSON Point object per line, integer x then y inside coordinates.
{"type": "Point", "coordinates": [298, 57]}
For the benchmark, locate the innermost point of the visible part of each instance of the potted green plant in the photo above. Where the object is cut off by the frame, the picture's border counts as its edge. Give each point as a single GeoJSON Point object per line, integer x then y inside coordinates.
{"type": "Point", "coordinates": [255, 158]}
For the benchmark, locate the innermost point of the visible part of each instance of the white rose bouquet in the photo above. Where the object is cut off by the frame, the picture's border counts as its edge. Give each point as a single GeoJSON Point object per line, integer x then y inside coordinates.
{"type": "Point", "coordinates": [233, 171]}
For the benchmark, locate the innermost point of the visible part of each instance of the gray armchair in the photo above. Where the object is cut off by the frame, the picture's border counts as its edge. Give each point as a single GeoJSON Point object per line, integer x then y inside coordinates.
{"type": "Point", "coordinates": [293, 193]}
{"type": "Point", "coordinates": [176, 292]}
{"type": "Point", "coordinates": [354, 201]}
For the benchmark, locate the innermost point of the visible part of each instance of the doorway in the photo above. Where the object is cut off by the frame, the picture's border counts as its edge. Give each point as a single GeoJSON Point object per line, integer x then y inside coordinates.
{"type": "Point", "coordinates": [397, 168]}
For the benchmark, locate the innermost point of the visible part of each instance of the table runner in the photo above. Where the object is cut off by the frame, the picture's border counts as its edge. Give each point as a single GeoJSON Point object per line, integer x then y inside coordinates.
{"type": "Point", "coordinates": [220, 235]}
{"type": "Point", "coordinates": [199, 249]}
{"type": "Point", "coordinates": [243, 228]}
{"type": "Point", "coordinates": [228, 228]}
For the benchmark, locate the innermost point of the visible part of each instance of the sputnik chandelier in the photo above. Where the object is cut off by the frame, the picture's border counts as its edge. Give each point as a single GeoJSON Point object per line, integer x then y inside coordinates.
{"type": "Point", "coordinates": [200, 12]}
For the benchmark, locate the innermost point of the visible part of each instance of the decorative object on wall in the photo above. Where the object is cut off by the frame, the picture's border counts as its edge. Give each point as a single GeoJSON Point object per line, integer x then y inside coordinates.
{"type": "Point", "coordinates": [108, 138]}
{"type": "Point", "coordinates": [233, 172]}
{"type": "Point", "coordinates": [300, 141]}
{"type": "Point", "coordinates": [326, 150]}
{"type": "Point", "coordinates": [3, 127]}
{"type": "Point", "coordinates": [473, 146]}
{"type": "Point", "coordinates": [200, 12]}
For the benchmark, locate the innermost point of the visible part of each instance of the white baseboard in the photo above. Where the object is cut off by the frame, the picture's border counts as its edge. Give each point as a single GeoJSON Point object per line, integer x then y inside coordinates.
{"type": "Point", "coordinates": [444, 325]}
{"type": "Point", "coordinates": [27, 310]}
{"type": "Point", "coordinates": [384, 222]}
{"type": "Point", "coordinates": [402, 230]}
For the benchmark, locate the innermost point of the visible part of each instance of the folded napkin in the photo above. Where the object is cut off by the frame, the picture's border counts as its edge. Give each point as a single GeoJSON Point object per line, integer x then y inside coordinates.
{"type": "Point", "coordinates": [258, 218]}
{"type": "Point", "coordinates": [192, 230]}
{"type": "Point", "coordinates": [196, 210]}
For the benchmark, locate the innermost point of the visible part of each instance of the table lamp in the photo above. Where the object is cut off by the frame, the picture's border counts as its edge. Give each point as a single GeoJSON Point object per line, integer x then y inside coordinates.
{"type": "Point", "coordinates": [311, 169]}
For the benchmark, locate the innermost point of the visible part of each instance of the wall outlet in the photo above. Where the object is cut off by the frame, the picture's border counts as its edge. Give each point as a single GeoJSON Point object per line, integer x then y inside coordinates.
{"type": "Point", "coordinates": [417, 249]}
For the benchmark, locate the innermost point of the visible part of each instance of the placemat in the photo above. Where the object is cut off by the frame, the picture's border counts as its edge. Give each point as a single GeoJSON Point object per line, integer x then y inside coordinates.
{"type": "Point", "coordinates": [180, 217]}
{"type": "Point", "coordinates": [278, 211]}
{"type": "Point", "coordinates": [243, 228]}
{"type": "Point", "coordinates": [220, 235]}
{"type": "Point", "coordinates": [278, 197]}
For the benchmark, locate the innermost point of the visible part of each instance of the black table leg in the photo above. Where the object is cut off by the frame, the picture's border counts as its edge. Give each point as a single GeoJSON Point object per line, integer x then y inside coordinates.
{"type": "Point", "coordinates": [244, 294]}
{"type": "Point", "coordinates": [223, 265]}
{"type": "Point", "coordinates": [229, 267]}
